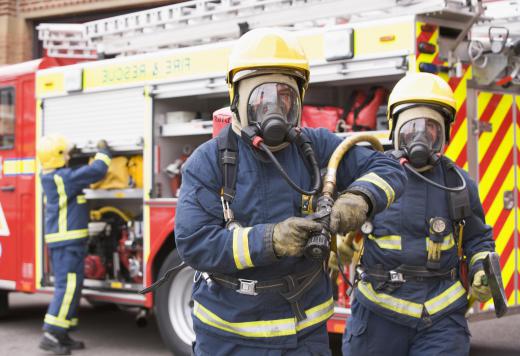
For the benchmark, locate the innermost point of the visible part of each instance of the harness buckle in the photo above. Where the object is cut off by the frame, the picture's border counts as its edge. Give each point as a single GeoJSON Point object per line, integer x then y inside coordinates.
{"type": "Point", "coordinates": [247, 286]}
{"type": "Point", "coordinates": [396, 277]}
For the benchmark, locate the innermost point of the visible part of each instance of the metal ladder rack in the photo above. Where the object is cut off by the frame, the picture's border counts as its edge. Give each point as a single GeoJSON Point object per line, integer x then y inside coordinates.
{"type": "Point", "coordinates": [66, 41]}
{"type": "Point", "coordinates": [206, 21]}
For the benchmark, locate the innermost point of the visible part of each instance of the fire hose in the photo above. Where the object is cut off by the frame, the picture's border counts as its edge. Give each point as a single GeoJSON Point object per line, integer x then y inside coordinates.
{"type": "Point", "coordinates": [319, 245]}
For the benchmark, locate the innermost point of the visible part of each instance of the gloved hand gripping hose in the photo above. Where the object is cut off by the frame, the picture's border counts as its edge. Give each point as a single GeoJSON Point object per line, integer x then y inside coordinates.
{"type": "Point", "coordinates": [319, 245]}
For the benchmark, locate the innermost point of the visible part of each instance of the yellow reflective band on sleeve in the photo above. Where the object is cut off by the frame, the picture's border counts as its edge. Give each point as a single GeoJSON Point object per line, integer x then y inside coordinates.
{"type": "Point", "coordinates": [386, 301]}
{"type": "Point", "coordinates": [103, 157]}
{"type": "Point", "coordinates": [62, 203]}
{"type": "Point", "coordinates": [381, 184]}
{"type": "Point", "coordinates": [266, 328]}
{"type": "Point", "coordinates": [81, 199]}
{"type": "Point", "coordinates": [241, 248]}
{"type": "Point", "coordinates": [477, 257]}
{"type": "Point", "coordinates": [447, 243]}
{"type": "Point", "coordinates": [446, 298]}
{"type": "Point", "coordinates": [67, 235]}
{"type": "Point", "coordinates": [74, 322]}
{"type": "Point", "coordinates": [389, 242]}
{"type": "Point", "coordinates": [52, 320]}
{"type": "Point", "coordinates": [67, 298]}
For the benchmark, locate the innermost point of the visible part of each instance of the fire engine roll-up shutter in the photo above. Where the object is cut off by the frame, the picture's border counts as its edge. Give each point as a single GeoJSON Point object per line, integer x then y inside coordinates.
{"type": "Point", "coordinates": [117, 116]}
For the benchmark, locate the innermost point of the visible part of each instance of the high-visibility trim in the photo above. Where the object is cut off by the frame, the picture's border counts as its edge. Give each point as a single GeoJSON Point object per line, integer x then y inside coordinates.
{"type": "Point", "coordinates": [67, 298]}
{"type": "Point", "coordinates": [477, 257]}
{"type": "Point", "coordinates": [67, 235]}
{"type": "Point", "coordinates": [103, 157]}
{"type": "Point", "coordinates": [381, 184]}
{"type": "Point", "coordinates": [52, 320]}
{"type": "Point", "coordinates": [316, 315]}
{"type": "Point", "coordinates": [386, 301]}
{"type": "Point", "coordinates": [74, 322]}
{"type": "Point", "coordinates": [80, 199]}
{"type": "Point", "coordinates": [389, 242]}
{"type": "Point", "coordinates": [18, 166]}
{"type": "Point", "coordinates": [402, 306]}
{"type": "Point", "coordinates": [266, 328]}
{"type": "Point", "coordinates": [62, 203]}
{"type": "Point", "coordinates": [241, 248]}
{"type": "Point", "coordinates": [447, 243]}
{"type": "Point", "coordinates": [446, 298]}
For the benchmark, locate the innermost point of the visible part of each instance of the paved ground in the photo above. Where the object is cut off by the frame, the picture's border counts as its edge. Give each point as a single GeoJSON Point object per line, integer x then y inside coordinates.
{"type": "Point", "coordinates": [113, 332]}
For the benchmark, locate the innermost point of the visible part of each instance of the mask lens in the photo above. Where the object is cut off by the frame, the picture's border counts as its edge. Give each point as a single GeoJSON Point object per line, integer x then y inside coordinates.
{"type": "Point", "coordinates": [424, 130]}
{"type": "Point", "coordinates": [273, 99]}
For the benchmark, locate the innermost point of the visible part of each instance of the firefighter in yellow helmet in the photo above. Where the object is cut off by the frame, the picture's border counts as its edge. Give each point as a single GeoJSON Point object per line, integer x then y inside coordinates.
{"type": "Point", "coordinates": [411, 296]}
{"type": "Point", "coordinates": [66, 218]}
{"type": "Point", "coordinates": [240, 217]}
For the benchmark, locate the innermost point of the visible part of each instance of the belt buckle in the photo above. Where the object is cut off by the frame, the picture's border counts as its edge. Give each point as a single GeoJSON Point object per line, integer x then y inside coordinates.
{"type": "Point", "coordinates": [396, 277]}
{"type": "Point", "coordinates": [247, 286]}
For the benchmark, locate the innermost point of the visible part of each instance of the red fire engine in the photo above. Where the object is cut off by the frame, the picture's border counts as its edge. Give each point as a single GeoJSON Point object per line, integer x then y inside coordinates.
{"type": "Point", "coordinates": [154, 104]}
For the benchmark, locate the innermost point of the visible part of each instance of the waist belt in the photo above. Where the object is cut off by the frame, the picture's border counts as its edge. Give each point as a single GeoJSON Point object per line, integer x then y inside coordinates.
{"type": "Point", "coordinates": [292, 287]}
{"type": "Point", "coordinates": [390, 280]}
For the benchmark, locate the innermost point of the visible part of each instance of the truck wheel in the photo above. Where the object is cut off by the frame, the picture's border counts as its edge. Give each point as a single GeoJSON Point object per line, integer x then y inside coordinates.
{"type": "Point", "coordinates": [4, 303]}
{"type": "Point", "coordinates": [173, 307]}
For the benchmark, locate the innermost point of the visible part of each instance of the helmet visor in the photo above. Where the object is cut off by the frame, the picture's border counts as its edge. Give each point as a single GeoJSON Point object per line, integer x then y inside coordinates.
{"type": "Point", "coordinates": [274, 100]}
{"type": "Point", "coordinates": [425, 130]}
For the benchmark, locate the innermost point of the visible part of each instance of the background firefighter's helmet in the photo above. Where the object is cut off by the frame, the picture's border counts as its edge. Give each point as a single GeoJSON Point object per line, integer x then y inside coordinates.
{"type": "Point", "coordinates": [52, 150]}
{"type": "Point", "coordinates": [424, 89]}
{"type": "Point", "coordinates": [270, 49]}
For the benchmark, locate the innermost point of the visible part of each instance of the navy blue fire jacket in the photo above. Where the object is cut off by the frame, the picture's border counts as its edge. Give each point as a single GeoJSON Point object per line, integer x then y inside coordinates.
{"type": "Point", "coordinates": [400, 237]}
{"type": "Point", "coordinates": [66, 211]}
{"type": "Point", "coordinates": [263, 198]}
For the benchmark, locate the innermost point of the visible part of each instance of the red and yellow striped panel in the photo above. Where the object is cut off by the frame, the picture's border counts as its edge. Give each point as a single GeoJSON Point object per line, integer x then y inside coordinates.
{"type": "Point", "coordinates": [456, 150]}
{"type": "Point", "coordinates": [497, 175]}
{"type": "Point", "coordinates": [427, 33]}
{"type": "Point", "coordinates": [495, 159]}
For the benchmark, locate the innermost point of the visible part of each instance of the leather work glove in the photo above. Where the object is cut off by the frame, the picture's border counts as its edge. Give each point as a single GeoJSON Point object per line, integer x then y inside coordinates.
{"type": "Point", "coordinates": [348, 213]}
{"type": "Point", "coordinates": [102, 145]}
{"type": "Point", "coordinates": [479, 288]}
{"type": "Point", "coordinates": [291, 235]}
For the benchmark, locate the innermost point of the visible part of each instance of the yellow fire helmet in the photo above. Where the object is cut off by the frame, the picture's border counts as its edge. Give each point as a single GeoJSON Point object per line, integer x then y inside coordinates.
{"type": "Point", "coordinates": [51, 151]}
{"type": "Point", "coordinates": [268, 50]}
{"type": "Point", "coordinates": [423, 89]}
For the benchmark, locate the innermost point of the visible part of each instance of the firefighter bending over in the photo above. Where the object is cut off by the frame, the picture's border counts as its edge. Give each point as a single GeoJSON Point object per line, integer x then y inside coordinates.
{"type": "Point", "coordinates": [240, 222]}
{"type": "Point", "coordinates": [66, 218]}
{"type": "Point", "coordinates": [411, 296]}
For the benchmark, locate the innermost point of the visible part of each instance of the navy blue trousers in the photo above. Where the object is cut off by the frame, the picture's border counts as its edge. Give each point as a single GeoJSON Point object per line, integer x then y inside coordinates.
{"type": "Point", "coordinates": [315, 343]}
{"type": "Point", "coordinates": [68, 265]}
{"type": "Point", "coordinates": [372, 335]}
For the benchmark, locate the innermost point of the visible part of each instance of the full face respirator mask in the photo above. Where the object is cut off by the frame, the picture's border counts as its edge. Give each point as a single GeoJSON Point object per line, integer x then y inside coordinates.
{"type": "Point", "coordinates": [419, 134]}
{"type": "Point", "coordinates": [419, 138]}
{"type": "Point", "coordinates": [269, 106]}
{"type": "Point", "coordinates": [266, 115]}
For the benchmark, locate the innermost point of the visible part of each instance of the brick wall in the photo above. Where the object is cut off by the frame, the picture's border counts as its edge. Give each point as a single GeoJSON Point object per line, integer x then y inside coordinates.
{"type": "Point", "coordinates": [17, 19]}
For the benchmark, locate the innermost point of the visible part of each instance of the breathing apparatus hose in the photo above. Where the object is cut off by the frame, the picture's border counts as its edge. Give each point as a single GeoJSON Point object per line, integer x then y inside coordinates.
{"type": "Point", "coordinates": [309, 154]}
{"type": "Point", "coordinates": [429, 181]}
{"type": "Point", "coordinates": [319, 245]}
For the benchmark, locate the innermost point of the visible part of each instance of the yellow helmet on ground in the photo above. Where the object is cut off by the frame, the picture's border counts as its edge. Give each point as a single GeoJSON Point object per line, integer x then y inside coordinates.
{"type": "Point", "coordinates": [423, 89]}
{"type": "Point", "coordinates": [52, 150]}
{"type": "Point", "coordinates": [267, 50]}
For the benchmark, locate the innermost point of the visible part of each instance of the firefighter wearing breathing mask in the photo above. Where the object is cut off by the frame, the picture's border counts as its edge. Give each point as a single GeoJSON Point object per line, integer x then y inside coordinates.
{"type": "Point", "coordinates": [240, 223]}
{"type": "Point", "coordinates": [411, 297]}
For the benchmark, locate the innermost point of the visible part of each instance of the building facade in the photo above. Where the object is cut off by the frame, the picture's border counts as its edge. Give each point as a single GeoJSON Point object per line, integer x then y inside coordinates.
{"type": "Point", "coordinates": [19, 18]}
